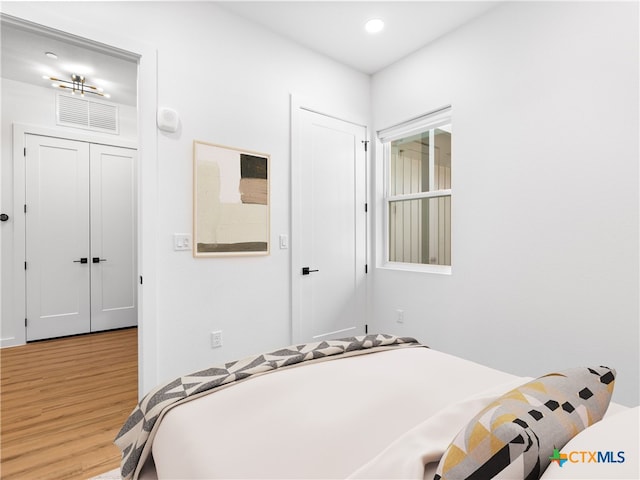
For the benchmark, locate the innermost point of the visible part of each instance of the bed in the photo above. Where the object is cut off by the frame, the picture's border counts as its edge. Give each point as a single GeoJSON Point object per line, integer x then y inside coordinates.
{"type": "Point", "coordinates": [376, 406]}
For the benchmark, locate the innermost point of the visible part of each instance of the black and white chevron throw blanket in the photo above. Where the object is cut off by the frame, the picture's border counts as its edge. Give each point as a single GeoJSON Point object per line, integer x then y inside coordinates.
{"type": "Point", "coordinates": [135, 437]}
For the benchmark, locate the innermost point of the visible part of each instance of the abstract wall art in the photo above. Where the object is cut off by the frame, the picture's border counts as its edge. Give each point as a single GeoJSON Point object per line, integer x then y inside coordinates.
{"type": "Point", "coordinates": [231, 201]}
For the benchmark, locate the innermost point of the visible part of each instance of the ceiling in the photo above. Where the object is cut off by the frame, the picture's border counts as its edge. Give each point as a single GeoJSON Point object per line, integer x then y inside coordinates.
{"type": "Point", "coordinates": [336, 28]}
{"type": "Point", "coordinates": [23, 59]}
{"type": "Point", "coordinates": [331, 28]}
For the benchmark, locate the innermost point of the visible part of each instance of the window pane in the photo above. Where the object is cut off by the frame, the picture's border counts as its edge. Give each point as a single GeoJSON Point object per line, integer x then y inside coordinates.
{"type": "Point", "coordinates": [420, 231]}
{"type": "Point", "coordinates": [409, 168]}
{"type": "Point", "coordinates": [442, 174]}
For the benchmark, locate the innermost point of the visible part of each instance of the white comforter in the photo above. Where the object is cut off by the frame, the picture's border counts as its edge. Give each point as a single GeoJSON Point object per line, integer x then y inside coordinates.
{"type": "Point", "coordinates": [383, 415]}
{"type": "Point", "coordinates": [325, 420]}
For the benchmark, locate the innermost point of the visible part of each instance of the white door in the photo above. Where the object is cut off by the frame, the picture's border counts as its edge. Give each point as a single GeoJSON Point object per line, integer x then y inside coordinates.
{"type": "Point", "coordinates": [329, 228]}
{"type": "Point", "coordinates": [113, 239]}
{"type": "Point", "coordinates": [57, 240]}
{"type": "Point", "coordinates": [80, 237]}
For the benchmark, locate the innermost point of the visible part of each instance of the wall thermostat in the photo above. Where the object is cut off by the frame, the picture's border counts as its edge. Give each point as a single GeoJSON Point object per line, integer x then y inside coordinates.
{"type": "Point", "coordinates": [168, 120]}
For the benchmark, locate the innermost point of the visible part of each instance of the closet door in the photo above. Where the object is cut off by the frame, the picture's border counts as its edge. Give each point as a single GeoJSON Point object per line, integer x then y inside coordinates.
{"type": "Point", "coordinates": [113, 237]}
{"type": "Point", "coordinates": [57, 240]}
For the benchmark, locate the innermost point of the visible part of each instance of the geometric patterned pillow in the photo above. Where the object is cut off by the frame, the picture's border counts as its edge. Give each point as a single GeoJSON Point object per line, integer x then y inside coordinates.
{"type": "Point", "coordinates": [523, 427]}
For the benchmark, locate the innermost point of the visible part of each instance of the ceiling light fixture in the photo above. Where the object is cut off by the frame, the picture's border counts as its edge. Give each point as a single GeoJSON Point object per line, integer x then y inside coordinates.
{"type": "Point", "coordinates": [77, 85]}
{"type": "Point", "coordinates": [51, 55]}
{"type": "Point", "coordinates": [375, 25]}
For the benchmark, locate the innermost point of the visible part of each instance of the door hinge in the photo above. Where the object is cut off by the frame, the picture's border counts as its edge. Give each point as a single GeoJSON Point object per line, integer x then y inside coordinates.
{"type": "Point", "coordinates": [25, 265]}
{"type": "Point", "coordinates": [366, 145]}
{"type": "Point", "coordinates": [25, 208]}
{"type": "Point", "coordinates": [366, 329]}
{"type": "Point", "coordinates": [140, 279]}
{"type": "Point", "coordinates": [25, 322]}
{"type": "Point", "coordinates": [366, 268]}
{"type": "Point", "coordinates": [366, 207]}
{"type": "Point", "coordinates": [25, 151]}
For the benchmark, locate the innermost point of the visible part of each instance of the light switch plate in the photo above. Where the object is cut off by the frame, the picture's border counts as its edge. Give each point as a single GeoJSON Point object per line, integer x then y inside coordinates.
{"type": "Point", "coordinates": [181, 241]}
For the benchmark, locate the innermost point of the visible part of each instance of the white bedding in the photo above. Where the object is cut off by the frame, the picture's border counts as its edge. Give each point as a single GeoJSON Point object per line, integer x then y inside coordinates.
{"type": "Point", "coordinates": [324, 420]}
{"type": "Point", "coordinates": [380, 415]}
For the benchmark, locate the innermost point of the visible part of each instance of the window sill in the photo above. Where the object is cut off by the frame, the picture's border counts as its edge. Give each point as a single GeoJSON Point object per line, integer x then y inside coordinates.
{"type": "Point", "coordinates": [415, 267]}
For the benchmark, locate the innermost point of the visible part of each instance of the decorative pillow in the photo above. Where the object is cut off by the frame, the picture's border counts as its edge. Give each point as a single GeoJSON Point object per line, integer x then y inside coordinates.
{"type": "Point", "coordinates": [525, 425]}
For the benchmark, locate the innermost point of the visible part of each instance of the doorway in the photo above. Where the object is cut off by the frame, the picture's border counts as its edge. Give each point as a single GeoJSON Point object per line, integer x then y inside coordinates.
{"type": "Point", "coordinates": [329, 222]}
{"type": "Point", "coordinates": [144, 57]}
{"type": "Point", "coordinates": [30, 106]}
{"type": "Point", "coordinates": [88, 94]}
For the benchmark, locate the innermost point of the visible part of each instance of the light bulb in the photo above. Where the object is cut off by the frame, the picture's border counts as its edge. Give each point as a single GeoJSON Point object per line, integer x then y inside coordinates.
{"type": "Point", "coordinates": [375, 25]}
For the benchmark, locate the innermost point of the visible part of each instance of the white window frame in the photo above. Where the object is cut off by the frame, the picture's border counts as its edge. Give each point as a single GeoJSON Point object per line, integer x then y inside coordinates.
{"type": "Point", "coordinates": [429, 121]}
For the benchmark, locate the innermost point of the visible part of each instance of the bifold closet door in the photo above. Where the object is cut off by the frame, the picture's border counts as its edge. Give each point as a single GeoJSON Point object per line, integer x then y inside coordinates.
{"type": "Point", "coordinates": [113, 237]}
{"type": "Point", "coordinates": [57, 241]}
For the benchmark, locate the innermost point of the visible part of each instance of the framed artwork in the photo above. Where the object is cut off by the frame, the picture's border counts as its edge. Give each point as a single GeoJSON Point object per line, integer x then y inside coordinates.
{"type": "Point", "coordinates": [230, 201]}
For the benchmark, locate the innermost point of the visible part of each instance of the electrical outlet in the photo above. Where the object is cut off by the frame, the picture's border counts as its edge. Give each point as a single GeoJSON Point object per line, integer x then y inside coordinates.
{"type": "Point", "coordinates": [181, 241]}
{"type": "Point", "coordinates": [400, 316]}
{"type": "Point", "coordinates": [216, 339]}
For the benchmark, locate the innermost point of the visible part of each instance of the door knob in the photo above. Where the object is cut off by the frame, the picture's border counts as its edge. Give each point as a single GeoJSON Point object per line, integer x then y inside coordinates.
{"type": "Point", "coordinates": [307, 270]}
{"type": "Point", "coordinates": [82, 260]}
{"type": "Point", "coordinates": [98, 259]}
{"type": "Point", "coordinates": [4, 217]}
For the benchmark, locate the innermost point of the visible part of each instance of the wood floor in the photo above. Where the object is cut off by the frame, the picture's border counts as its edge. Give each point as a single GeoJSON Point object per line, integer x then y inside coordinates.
{"type": "Point", "coordinates": [63, 402]}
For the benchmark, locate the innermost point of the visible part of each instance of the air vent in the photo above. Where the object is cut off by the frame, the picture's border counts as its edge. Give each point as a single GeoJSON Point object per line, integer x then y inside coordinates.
{"type": "Point", "coordinates": [73, 111]}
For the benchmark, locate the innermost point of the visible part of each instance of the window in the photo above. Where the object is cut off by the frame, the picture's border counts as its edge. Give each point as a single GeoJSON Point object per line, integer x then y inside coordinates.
{"type": "Point", "coordinates": [417, 161]}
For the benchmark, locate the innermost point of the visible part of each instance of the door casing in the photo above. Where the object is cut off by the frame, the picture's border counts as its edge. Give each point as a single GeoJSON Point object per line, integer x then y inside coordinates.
{"type": "Point", "coordinates": [20, 132]}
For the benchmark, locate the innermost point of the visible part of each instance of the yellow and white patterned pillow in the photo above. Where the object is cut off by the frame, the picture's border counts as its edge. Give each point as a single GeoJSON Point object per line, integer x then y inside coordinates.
{"type": "Point", "coordinates": [525, 425]}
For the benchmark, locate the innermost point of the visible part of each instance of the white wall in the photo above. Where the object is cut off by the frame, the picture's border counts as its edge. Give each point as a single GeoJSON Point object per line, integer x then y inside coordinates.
{"type": "Point", "coordinates": [545, 229]}
{"type": "Point", "coordinates": [31, 105]}
{"type": "Point", "coordinates": [545, 190]}
{"type": "Point", "coordinates": [230, 82]}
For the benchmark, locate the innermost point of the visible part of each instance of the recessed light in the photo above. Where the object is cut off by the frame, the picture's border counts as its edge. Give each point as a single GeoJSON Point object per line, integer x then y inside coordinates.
{"type": "Point", "coordinates": [51, 55]}
{"type": "Point", "coordinates": [375, 25]}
